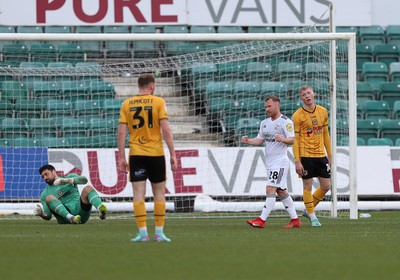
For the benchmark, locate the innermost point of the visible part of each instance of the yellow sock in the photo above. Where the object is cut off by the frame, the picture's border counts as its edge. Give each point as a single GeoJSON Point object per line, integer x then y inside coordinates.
{"type": "Point", "coordinates": [139, 209]}
{"type": "Point", "coordinates": [159, 213]}
{"type": "Point", "coordinates": [308, 201]}
{"type": "Point", "coordinates": [318, 195]}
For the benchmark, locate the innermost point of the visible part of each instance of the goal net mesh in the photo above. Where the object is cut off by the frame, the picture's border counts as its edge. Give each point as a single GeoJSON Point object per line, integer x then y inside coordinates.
{"type": "Point", "coordinates": [60, 105]}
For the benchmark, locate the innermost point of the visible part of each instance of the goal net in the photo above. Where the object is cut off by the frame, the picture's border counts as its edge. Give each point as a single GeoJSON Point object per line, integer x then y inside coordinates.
{"type": "Point", "coordinates": [60, 101]}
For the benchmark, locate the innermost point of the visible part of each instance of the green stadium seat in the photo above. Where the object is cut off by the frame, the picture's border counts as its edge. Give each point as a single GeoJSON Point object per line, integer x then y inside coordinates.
{"type": "Point", "coordinates": [393, 34]}
{"type": "Point", "coordinates": [396, 109]}
{"type": "Point", "coordinates": [380, 142]}
{"type": "Point", "coordinates": [202, 29]}
{"type": "Point", "coordinates": [145, 49]}
{"type": "Point", "coordinates": [46, 89]}
{"type": "Point", "coordinates": [30, 29]}
{"type": "Point", "coordinates": [372, 35]}
{"type": "Point", "coordinates": [171, 47]}
{"type": "Point", "coordinates": [74, 90]}
{"type": "Point", "coordinates": [14, 90]}
{"type": "Point", "coordinates": [247, 126]}
{"type": "Point", "coordinates": [394, 71]}
{"type": "Point", "coordinates": [375, 73]}
{"type": "Point", "coordinates": [6, 109]}
{"type": "Point", "coordinates": [42, 127]}
{"type": "Point", "coordinates": [70, 52]}
{"type": "Point", "coordinates": [117, 49]}
{"type": "Point", "coordinates": [259, 71]}
{"type": "Point", "coordinates": [347, 29]}
{"type": "Point", "coordinates": [15, 53]}
{"type": "Point", "coordinates": [367, 129]}
{"type": "Point", "coordinates": [260, 29]}
{"type": "Point", "coordinates": [88, 71]}
{"type": "Point", "coordinates": [246, 89]}
{"type": "Point", "coordinates": [274, 88]}
{"type": "Point", "coordinates": [99, 126]}
{"type": "Point", "coordinates": [6, 142]}
{"type": "Point", "coordinates": [386, 53]}
{"type": "Point", "coordinates": [397, 143]}
{"type": "Point", "coordinates": [287, 29]}
{"type": "Point", "coordinates": [27, 142]}
{"type": "Point", "coordinates": [59, 108]}
{"type": "Point", "coordinates": [376, 109]}
{"type": "Point", "coordinates": [88, 107]}
{"type": "Point", "coordinates": [61, 72]}
{"type": "Point", "coordinates": [92, 49]}
{"type": "Point", "coordinates": [186, 47]}
{"type": "Point", "coordinates": [43, 53]}
{"type": "Point", "coordinates": [232, 70]}
{"type": "Point", "coordinates": [289, 71]}
{"type": "Point", "coordinates": [219, 89]}
{"type": "Point", "coordinates": [55, 142]}
{"type": "Point", "coordinates": [389, 92]}
{"type": "Point", "coordinates": [74, 127]}
{"type": "Point", "coordinates": [229, 29]}
{"type": "Point", "coordinates": [288, 107]}
{"type": "Point", "coordinates": [316, 69]}
{"type": "Point", "coordinates": [365, 92]}
{"type": "Point", "coordinates": [100, 90]}
{"type": "Point", "coordinates": [31, 72]}
{"type": "Point", "coordinates": [390, 129]}
{"type": "Point", "coordinates": [28, 108]}
{"type": "Point", "coordinates": [342, 70]}
{"type": "Point", "coordinates": [6, 29]}
{"type": "Point", "coordinates": [57, 29]}
{"type": "Point", "coordinates": [12, 128]}
{"type": "Point", "coordinates": [344, 141]}
{"type": "Point", "coordinates": [112, 107]}
{"type": "Point", "coordinates": [364, 53]}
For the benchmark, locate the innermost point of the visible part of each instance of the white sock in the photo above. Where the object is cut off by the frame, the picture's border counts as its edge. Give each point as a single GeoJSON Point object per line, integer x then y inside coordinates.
{"type": "Point", "coordinates": [289, 206]}
{"type": "Point", "coordinates": [69, 217]}
{"type": "Point", "coordinates": [312, 216]}
{"type": "Point", "coordinates": [269, 205]}
{"type": "Point", "coordinates": [159, 229]}
{"type": "Point", "coordinates": [143, 230]}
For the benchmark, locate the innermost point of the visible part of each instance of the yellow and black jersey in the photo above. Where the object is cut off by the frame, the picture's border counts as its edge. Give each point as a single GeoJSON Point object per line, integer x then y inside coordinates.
{"type": "Point", "coordinates": [311, 133]}
{"type": "Point", "coordinates": [142, 114]}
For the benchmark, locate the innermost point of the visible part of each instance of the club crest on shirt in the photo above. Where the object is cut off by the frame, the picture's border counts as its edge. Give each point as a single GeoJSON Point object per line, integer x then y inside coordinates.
{"type": "Point", "coordinates": [289, 127]}
{"type": "Point", "coordinates": [60, 193]}
{"type": "Point", "coordinates": [314, 121]}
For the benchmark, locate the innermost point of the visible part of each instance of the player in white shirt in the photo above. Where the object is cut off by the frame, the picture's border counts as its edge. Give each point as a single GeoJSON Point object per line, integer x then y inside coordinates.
{"type": "Point", "coordinates": [277, 133]}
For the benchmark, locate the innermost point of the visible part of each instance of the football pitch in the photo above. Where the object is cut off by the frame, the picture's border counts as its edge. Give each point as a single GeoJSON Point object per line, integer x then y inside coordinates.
{"type": "Point", "coordinates": [202, 248]}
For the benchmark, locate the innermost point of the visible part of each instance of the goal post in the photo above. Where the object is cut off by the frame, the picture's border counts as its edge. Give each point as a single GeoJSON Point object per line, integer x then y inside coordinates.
{"type": "Point", "coordinates": [214, 86]}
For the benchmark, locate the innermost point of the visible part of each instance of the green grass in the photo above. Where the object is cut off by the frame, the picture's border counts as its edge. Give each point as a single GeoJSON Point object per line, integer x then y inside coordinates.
{"type": "Point", "coordinates": [202, 249]}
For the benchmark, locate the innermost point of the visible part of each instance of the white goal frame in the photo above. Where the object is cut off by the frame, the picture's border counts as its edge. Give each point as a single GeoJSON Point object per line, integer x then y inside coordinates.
{"type": "Point", "coordinates": [332, 37]}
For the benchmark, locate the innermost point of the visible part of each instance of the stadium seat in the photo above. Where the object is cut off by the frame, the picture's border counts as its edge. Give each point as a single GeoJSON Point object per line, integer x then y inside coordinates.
{"type": "Point", "coordinates": [88, 107]}
{"type": "Point", "coordinates": [6, 109]}
{"type": "Point", "coordinates": [26, 142]}
{"type": "Point", "coordinates": [389, 92]}
{"type": "Point", "coordinates": [316, 69]}
{"type": "Point", "coordinates": [100, 126]}
{"type": "Point", "coordinates": [88, 71]}
{"type": "Point", "coordinates": [171, 48]}
{"type": "Point", "coordinates": [201, 74]}
{"type": "Point", "coordinates": [372, 35]}
{"type": "Point", "coordinates": [12, 128]}
{"type": "Point", "coordinates": [289, 71]}
{"type": "Point", "coordinates": [394, 71]}
{"type": "Point", "coordinates": [376, 109]}
{"type": "Point", "coordinates": [274, 88]}
{"type": "Point", "coordinates": [112, 107]}
{"type": "Point", "coordinates": [287, 29]}
{"type": "Point", "coordinates": [365, 92]}
{"type": "Point", "coordinates": [259, 72]}
{"type": "Point", "coordinates": [260, 29]}
{"type": "Point", "coordinates": [288, 107]}
{"type": "Point", "coordinates": [43, 53]}
{"type": "Point", "coordinates": [100, 90]}
{"type": "Point", "coordinates": [246, 89]}
{"type": "Point", "coordinates": [39, 127]}
{"type": "Point", "coordinates": [74, 127]}
{"type": "Point", "coordinates": [72, 53]}
{"type": "Point", "coordinates": [61, 72]}
{"type": "Point", "coordinates": [59, 108]}
{"type": "Point", "coordinates": [74, 90]}
{"type": "Point", "coordinates": [342, 70]}
{"type": "Point", "coordinates": [396, 110]}
{"type": "Point", "coordinates": [202, 29]}
{"type": "Point", "coordinates": [55, 142]}
{"type": "Point", "coordinates": [31, 72]}
{"type": "Point", "coordinates": [232, 70]}
{"type": "Point", "coordinates": [390, 129]}
{"type": "Point", "coordinates": [14, 90]}
{"type": "Point", "coordinates": [117, 49]}
{"type": "Point", "coordinates": [6, 29]}
{"type": "Point", "coordinates": [28, 108]}
{"type": "Point", "coordinates": [344, 141]}
{"type": "Point", "coordinates": [380, 142]}
{"type": "Point", "coordinates": [30, 29]}
{"type": "Point", "coordinates": [393, 34]}
{"type": "Point", "coordinates": [347, 29]}
{"type": "Point", "coordinates": [397, 143]}
{"type": "Point", "coordinates": [364, 53]}
{"type": "Point", "coordinates": [186, 47]}
{"type": "Point", "coordinates": [46, 89]}
{"type": "Point", "coordinates": [92, 49]}
{"type": "Point", "coordinates": [367, 129]}
{"type": "Point", "coordinates": [247, 126]}
{"type": "Point", "coordinates": [6, 142]}
{"type": "Point", "coordinates": [15, 53]}
{"type": "Point", "coordinates": [145, 49]}
{"type": "Point", "coordinates": [375, 73]}
{"type": "Point", "coordinates": [219, 89]}
{"type": "Point", "coordinates": [57, 29]}
{"type": "Point", "coordinates": [386, 53]}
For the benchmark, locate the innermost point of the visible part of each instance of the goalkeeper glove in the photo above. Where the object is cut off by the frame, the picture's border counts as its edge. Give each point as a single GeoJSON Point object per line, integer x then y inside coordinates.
{"type": "Point", "coordinates": [64, 181]}
{"type": "Point", "coordinates": [38, 211]}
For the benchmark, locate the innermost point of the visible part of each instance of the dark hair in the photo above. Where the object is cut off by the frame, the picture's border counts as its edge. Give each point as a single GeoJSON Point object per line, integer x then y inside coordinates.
{"type": "Point", "coordinates": [273, 98]}
{"type": "Point", "coordinates": [46, 167]}
{"type": "Point", "coordinates": [145, 79]}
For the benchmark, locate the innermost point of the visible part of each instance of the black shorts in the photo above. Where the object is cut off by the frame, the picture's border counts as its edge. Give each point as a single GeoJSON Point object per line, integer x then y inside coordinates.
{"type": "Point", "coordinates": [146, 167]}
{"type": "Point", "coordinates": [315, 167]}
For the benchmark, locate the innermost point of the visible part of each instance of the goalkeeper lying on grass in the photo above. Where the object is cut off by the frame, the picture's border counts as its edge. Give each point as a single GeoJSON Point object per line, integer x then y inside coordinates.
{"type": "Point", "coordinates": [61, 198]}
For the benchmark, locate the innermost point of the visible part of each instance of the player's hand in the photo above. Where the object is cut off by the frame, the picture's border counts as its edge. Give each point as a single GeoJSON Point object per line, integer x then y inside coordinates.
{"type": "Point", "coordinates": [63, 181]}
{"type": "Point", "coordinates": [123, 166]}
{"type": "Point", "coordinates": [299, 168]}
{"type": "Point", "coordinates": [38, 211]}
{"type": "Point", "coordinates": [245, 139]}
{"type": "Point", "coordinates": [279, 138]}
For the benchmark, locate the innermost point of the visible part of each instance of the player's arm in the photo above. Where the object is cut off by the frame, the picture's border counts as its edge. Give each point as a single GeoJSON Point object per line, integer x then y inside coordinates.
{"type": "Point", "coordinates": [288, 138]}
{"type": "Point", "coordinates": [122, 163]}
{"type": "Point", "coordinates": [169, 140]}
{"type": "Point", "coordinates": [74, 180]}
{"type": "Point", "coordinates": [296, 148]}
{"type": "Point", "coordinates": [327, 143]}
{"type": "Point", "coordinates": [252, 141]}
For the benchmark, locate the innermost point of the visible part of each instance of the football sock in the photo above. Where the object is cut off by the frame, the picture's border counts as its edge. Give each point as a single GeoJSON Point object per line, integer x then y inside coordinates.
{"type": "Point", "coordinates": [139, 209]}
{"type": "Point", "coordinates": [57, 207]}
{"type": "Point", "coordinates": [308, 201]}
{"type": "Point", "coordinates": [318, 195]}
{"type": "Point", "coordinates": [94, 199]}
{"type": "Point", "coordinates": [289, 206]}
{"type": "Point", "coordinates": [159, 215]}
{"type": "Point", "coordinates": [269, 205]}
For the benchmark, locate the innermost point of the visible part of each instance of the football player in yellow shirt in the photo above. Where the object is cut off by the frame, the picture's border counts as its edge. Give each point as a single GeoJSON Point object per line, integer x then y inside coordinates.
{"type": "Point", "coordinates": [312, 150]}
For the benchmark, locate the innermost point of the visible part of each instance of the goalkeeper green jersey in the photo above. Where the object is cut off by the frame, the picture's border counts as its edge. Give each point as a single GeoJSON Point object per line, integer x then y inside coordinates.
{"type": "Point", "coordinates": [68, 195]}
